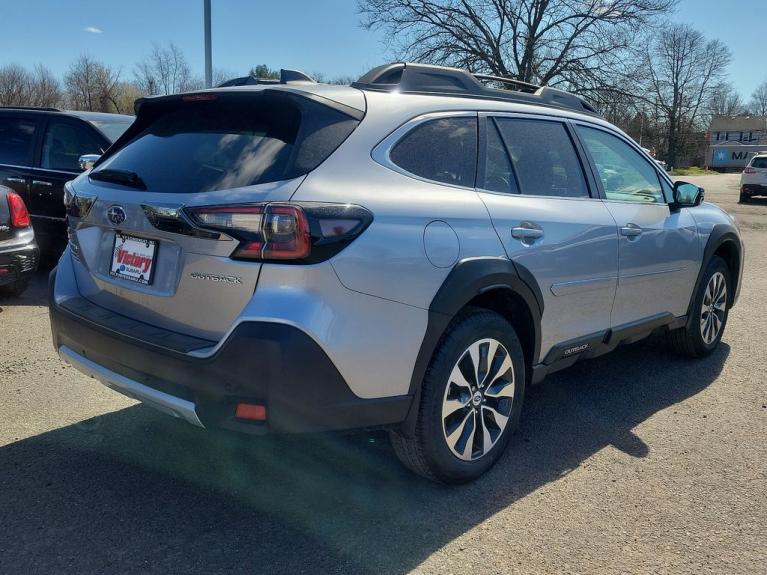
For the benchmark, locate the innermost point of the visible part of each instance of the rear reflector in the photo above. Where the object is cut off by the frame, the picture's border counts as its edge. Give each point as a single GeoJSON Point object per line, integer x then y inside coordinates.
{"type": "Point", "coordinates": [19, 214]}
{"type": "Point", "coordinates": [250, 411]}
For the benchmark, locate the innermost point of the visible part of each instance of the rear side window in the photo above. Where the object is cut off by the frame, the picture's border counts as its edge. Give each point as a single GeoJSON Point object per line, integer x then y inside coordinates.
{"type": "Point", "coordinates": [17, 136]}
{"type": "Point", "coordinates": [498, 174]}
{"type": "Point", "coordinates": [64, 143]}
{"type": "Point", "coordinates": [230, 142]}
{"type": "Point", "coordinates": [443, 150]}
{"type": "Point", "coordinates": [759, 163]}
{"type": "Point", "coordinates": [543, 157]}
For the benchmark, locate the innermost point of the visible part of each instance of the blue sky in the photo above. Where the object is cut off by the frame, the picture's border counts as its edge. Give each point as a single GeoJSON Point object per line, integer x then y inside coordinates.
{"type": "Point", "coordinates": [311, 35]}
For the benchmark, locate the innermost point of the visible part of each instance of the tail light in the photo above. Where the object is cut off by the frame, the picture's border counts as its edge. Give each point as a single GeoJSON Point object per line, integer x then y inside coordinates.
{"type": "Point", "coordinates": [749, 170]}
{"type": "Point", "coordinates": [290, 233]}
{"type": "Point", "coordinates": [19, 214]}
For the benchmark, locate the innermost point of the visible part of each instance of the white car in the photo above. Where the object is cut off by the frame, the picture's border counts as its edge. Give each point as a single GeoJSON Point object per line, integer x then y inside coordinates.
{"type": "Point", "coordinates": [753, 180]}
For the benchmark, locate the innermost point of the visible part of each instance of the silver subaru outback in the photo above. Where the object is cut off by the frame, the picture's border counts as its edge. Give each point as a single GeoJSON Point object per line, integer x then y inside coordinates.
{"type": "Point", "coordinates": [408, 252]}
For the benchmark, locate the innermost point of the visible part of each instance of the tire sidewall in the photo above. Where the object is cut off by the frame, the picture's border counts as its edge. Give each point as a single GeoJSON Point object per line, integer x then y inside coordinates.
{"type": "Point", "coordinates": [464, 332]}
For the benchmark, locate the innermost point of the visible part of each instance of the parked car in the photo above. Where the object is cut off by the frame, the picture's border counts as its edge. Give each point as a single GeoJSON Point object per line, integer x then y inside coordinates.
{"type": "Point", "coordinates": [19, 254]}
{"type": "Point", "coordinates": [40, 149]}
{"type": "Point", "coordinates": [408, 252]}
{"type": "Point", "coordinates": [753, 180]}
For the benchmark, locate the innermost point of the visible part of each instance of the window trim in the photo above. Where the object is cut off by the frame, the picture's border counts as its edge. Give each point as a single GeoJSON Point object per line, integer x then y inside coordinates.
{"type": "Point", "coordinates": [381, 152]}
{"type": "Point", "coordinates": [653, 165]}
{"type": "Point", "coordinates": [583, 160]}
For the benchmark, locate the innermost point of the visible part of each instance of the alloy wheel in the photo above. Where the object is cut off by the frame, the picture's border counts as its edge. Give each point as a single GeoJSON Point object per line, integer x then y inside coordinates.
{"type": "Point", "coordinates": [714, 308]}
{"type": "Point", "coordinates": [478, 398]}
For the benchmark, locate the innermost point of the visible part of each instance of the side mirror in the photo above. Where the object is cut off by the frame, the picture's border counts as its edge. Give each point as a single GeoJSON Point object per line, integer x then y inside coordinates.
{"type": "Point", "coordinates": [687, 195]}
{"type": "Point", "coordinates": [87, 161]}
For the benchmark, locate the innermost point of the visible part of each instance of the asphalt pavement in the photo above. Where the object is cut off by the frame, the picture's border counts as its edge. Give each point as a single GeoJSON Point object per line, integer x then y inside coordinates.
{"type": "Point", "coordinates": [636, 462]}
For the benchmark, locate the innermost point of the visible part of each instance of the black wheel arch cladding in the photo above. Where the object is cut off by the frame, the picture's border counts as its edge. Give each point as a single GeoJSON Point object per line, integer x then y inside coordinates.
{"type": "Point", "coordinates": [469, 279]}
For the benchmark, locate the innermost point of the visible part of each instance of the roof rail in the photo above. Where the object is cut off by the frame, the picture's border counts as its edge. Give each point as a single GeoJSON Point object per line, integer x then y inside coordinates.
{"type": "Point", "coordinates": [286, 77]}
{"type": "Point", "coordinates": [38, 108]}
{"type": "Point", "coordinates": [412, 78]}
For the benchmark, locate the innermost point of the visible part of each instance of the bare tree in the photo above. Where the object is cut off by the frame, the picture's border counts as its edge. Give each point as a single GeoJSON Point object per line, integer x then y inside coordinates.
{"type": "Point", "coordinates": [165, 71]}
{"type": "Point", "coordinates": [684, 71]}
{"type": "Point", "coordinates": [725, 101]}
{"type": "Point", "coordinates": [543, 41]}
{"type": "Point", "coordinates": [92, 85]}
{"type": "Point", "coordinates": [14, 86]}
{"type": "Point", "coordinates": [44, 88]}
{"type": "Point", "coordinates": [758, 104]}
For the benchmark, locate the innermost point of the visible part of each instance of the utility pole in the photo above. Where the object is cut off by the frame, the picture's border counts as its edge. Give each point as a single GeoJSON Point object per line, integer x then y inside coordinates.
{"type": "Point", "coordinates": [208, 56]}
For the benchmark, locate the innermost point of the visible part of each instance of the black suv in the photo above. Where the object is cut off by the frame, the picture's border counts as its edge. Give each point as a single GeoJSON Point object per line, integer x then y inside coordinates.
{"type": "Point", "coordinates": [40, 149]}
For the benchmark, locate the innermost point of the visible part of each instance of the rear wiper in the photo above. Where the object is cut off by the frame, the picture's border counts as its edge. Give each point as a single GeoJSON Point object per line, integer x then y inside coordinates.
{"type": "Point", "coordinates": [124, 177]}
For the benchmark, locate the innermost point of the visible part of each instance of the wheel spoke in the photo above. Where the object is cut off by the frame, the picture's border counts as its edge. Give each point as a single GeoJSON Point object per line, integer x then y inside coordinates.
{"type": "Point", "coordinates": [456, 434]}
{"type": "Point", "coordinates": [468, 447]}
{"type": "Point", "coordinates": [487, 440]}
{"type": "Point", "coordinates": [499, 365]}
{"type": "Point", "coordinates": [500, 419]}
{"type": "Point", "coordinates": [457, 378]}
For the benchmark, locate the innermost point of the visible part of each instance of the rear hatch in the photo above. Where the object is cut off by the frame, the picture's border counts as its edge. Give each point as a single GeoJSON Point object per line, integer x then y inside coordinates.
{"type": "Point", "coordinates": [139, 248]}
{"type": "Point", "coordinates": [757, 170]}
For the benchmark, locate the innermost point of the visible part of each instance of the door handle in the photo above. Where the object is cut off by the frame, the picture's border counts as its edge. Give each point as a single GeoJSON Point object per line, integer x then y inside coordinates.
{"type": "Point", "coordinates": [41, 183]}
{"type": "Point", "coordinates": [631, 230]}
{"type": "Point", "coordinates": [14, 180]}
{"type": "Point", "coordinates": [527, 231]}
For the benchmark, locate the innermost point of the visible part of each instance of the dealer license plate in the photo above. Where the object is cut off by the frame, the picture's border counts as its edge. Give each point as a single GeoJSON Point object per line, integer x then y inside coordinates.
{"type": "Point", "coordinates": [133, 259]}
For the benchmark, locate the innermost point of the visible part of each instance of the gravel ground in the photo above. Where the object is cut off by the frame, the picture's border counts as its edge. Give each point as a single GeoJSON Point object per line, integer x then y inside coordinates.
{"type": "Point", "coordinates": [636, 462]}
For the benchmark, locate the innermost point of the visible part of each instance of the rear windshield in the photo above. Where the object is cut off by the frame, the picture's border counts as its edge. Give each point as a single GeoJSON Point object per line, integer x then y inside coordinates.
{"type": "Point", "coordinates": [759, 163]}
{"type": "Point", "coordinates": [232, 142]}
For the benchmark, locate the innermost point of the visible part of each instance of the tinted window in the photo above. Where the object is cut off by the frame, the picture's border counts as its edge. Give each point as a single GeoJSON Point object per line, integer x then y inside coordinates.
{"type": "Point", "coordinates": [759, 163]}
{"type": "Point", "coordinates": [443, 150]}
{"type": "Point", "coordinates": [16, 140]}
{"type": "Point", "coordinates": [111, 130]}
{"type": "Point", "coordinates": [625, 174]}
{"type": "Point", "coordinates": [64, 143]}
{"type": "Point", "coordinates": [498, 176]}
{"type": "Point", "coordinates": [543, 157]}
{"type": "Point", "coordinates": [230, 142]}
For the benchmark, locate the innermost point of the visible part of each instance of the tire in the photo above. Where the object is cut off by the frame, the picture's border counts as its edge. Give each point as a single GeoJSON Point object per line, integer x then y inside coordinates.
{"type": "Point", "coordinates": [744, 198]}
{"type": "Point", "coordinates": [15, 289]}
{"type": "Point", "coordinates": [444, 448]}
{"type": "Point", "coordinates": [700, 337]}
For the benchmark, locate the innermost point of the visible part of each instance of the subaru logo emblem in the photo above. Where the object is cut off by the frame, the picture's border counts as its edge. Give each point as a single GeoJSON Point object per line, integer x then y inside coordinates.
{"type": "Point", "coordinates": [116, 215]}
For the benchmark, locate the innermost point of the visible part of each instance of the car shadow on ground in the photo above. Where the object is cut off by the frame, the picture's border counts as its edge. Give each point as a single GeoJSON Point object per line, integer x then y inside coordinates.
{"type": "Point", "coordinates": [37, 292]}
{"type": "Point", "coordinates": [135, 490]}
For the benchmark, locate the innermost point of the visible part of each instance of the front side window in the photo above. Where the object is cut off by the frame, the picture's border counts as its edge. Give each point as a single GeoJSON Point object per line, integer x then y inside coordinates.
{"type": "Point", "coordinates": [543, 158]}
{"type": "Point", "coordinates": [625, 174]}
{"type": "Point", "coordinates": [64, 143]}
{"type": "Point", "coordinates": [16, 140]}
{"type": "Point", "coordinates": [442, 150]}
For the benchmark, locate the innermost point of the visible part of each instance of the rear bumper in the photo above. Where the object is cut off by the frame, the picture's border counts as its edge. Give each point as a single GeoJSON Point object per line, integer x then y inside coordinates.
{"type": "Point", "coordinates": [271, 364]}
{"type": "Point", "coordinates": [754, 189]}
{"type": "Point", "coordinates": [18, 263]}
